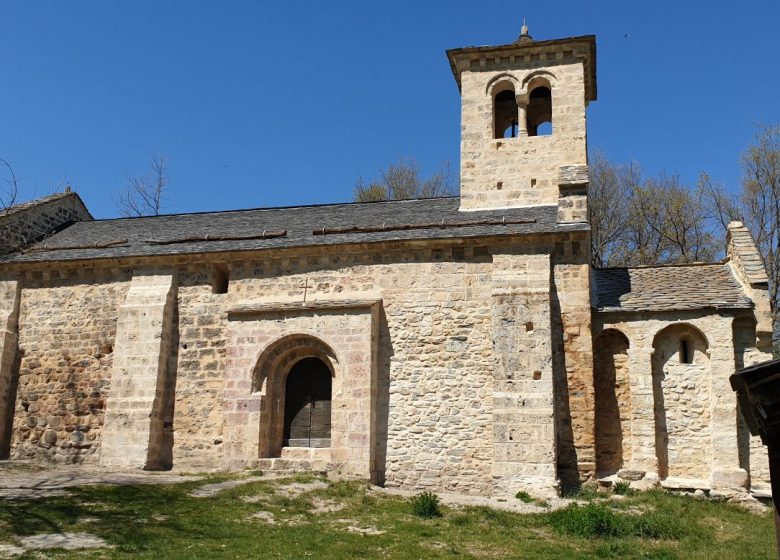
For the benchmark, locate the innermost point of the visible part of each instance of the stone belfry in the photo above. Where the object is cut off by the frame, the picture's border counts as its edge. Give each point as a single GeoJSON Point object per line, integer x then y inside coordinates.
{"type": "Point", "coordinates": [523, 132]}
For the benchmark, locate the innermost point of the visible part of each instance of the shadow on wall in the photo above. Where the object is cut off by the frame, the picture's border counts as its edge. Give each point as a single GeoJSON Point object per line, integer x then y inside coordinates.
{"type": "Point", "coordinates": [567, 460]}
{"type": "Point", "coordinates": [613, 401]}
{"type": "Point", "coordinates": [8, 421]}
{"type": "Point", "coordinates": [381, 429]}
{"type": "Point", "coordinates": [744, 338]}
{"type": "Point", "coordinates": [160, 454]}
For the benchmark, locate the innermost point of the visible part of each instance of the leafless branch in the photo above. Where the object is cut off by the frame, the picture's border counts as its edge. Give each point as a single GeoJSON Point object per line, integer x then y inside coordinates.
{"type": "Point", "coordinates": [143, 195]}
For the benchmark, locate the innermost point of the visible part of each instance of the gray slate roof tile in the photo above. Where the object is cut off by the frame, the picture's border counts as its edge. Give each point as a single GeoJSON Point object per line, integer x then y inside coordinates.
{"type": "Point", "coordinates": [299, 222]}
{"type": "Point", "coordinates": [667, 288]}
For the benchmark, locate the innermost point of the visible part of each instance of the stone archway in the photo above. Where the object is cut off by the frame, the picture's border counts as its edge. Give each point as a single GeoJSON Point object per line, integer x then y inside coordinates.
{"type": "Point", "coordinates": [291, 372]}
{"type": "Point", "coordinates": [681, 394]}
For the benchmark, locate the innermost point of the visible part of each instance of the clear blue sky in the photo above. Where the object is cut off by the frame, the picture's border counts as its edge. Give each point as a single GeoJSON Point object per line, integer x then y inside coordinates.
{"type": "Point", "coordinates": [280, 103]}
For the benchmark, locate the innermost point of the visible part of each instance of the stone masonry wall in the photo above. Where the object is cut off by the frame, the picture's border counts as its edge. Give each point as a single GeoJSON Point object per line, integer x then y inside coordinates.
{"type": "Point", "coordinates": [435, 363]}
{"type": "Point", "coordinates": [25, 223]}
{"type": "Point", "coordinates": [573, 356]}
{"type": "Point", "coordinates": [9, 353]}
{"type": "Point", "coordinates": [198, 414]}
{"type": "Point", "coordinates": [134, 432]}
{"type": "Point", "coordinates": [524, 454]}
{"type": "Point", "coordinates": [67, 324]}
{"type": "Point", "coordinates": [753, 337]}
{"type": "Point", "coordinates": [522, 171]}
{"type": "Point", "coordinates": [699, 407]}
{"type": "Point", "coordinates": [434, 349]}
{"type": "Point", "coordinates": [436, 341]}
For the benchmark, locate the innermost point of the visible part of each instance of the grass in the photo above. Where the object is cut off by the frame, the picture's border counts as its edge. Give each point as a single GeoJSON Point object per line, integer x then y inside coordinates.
{"type": "Point", "coordinates": [622, 488]}
{"type": "Point", "coordinates": [344, 520]}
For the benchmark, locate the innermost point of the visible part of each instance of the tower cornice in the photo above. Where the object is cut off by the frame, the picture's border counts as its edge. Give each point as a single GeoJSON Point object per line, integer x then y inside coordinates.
{"type": "Point", "coordinates": [526, 54]}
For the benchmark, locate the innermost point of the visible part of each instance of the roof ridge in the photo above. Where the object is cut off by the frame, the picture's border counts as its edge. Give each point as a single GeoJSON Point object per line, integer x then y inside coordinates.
{"type": "Point", "coordinates": [666, 265]}
{"type": "Point", "coordinates": [22, 206]}
{"type": "Point", "coordinates": [268, 208]}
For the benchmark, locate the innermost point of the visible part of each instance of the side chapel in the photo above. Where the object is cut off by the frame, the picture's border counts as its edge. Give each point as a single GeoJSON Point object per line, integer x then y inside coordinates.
{"type": "Point", "coordinates": [460, 344]}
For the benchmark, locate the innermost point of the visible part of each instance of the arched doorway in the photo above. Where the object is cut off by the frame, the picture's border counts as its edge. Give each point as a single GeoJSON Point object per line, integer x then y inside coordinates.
{"type": "Point", "coordinates": [307, 404]}
{"type": "Point", "coordinates": [290, 374]}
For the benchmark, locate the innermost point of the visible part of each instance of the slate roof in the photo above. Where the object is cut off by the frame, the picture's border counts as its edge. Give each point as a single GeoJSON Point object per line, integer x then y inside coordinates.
{"type": "Point", "coordinates": [750, 258]}
{"type": "Point", "coordinates": [667, 288]}
{"type": "Point", "coordinates": [22, 206]}
{"type": "Point", "coordinates": [130, 237]}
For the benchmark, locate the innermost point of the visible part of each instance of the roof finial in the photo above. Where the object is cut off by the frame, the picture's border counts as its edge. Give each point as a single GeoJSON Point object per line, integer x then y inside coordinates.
{"type": "Point", "coordinates": [524, 36]}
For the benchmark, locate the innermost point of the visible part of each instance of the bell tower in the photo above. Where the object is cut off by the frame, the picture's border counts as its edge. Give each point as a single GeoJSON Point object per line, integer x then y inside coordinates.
{"type": "Point", "coordinates": [523, 132]}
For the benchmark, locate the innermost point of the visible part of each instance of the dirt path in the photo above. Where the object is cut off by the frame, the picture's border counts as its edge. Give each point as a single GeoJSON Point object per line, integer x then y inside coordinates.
{"type": "Point", "coordinates": [25, 483]}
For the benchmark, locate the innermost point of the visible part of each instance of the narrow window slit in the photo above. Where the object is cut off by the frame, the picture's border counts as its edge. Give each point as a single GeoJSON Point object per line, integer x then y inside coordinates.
{"type": "Point", "coordinates": [686, 356]}
{"type": "Point", "coordinates": [220, 278]}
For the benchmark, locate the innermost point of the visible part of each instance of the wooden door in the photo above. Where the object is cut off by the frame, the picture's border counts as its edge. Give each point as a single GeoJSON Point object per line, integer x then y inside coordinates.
{"type": "Point", "coordinates": [307, 405]}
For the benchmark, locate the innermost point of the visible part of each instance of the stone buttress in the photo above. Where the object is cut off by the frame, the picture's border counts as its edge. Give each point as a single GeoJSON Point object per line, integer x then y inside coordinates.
{"type": "Point", "coordinates": [134, 431]}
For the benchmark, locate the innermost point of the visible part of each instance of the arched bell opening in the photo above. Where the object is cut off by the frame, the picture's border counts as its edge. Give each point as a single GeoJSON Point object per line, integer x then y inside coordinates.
{"type": "Point", "coordinates": [505, 113]}
{"type": "Point", "coordinates": [539, 111]}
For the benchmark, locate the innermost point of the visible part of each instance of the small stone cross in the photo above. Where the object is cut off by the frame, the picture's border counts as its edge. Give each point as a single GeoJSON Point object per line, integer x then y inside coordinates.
{"type": "Point", "coordinates": [306, 286]}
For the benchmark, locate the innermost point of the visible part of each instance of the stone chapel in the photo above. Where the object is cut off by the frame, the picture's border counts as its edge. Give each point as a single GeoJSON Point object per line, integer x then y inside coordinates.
{"type": "Point", "coordinates": [461, 344]}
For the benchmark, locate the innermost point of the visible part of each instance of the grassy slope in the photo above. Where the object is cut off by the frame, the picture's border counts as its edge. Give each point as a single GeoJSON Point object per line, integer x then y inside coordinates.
{"type": "Point", "coordinates": [129, 518]}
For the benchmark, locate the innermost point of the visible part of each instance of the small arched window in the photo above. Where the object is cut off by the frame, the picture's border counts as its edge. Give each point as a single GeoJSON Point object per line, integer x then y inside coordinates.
{"type": "Point", "coordinates": [539, 112]}
{"type": "Point", "coordinates": [505, 114]}
{"type": "Point", "coordinates": [686, 351]}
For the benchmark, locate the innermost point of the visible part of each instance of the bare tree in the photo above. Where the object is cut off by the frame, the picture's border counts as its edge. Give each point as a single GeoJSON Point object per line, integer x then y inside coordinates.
{"type": "Point", "coordinates": [645, 221]}
{"type": "Point", "coordinates": [143, 195]}
{"type": "Point", "coordinates": [609, 193]}
{"type": "Point", "coordinates": [402, 181]}
{"type": "Point", "coordinates": [675, 223]}
{"type": "Point", "coordinates": [723, 207]}
{"type": "Point", "coordinates": [761, 202]}
{"type": "Point", "coordinates": [9, 189]}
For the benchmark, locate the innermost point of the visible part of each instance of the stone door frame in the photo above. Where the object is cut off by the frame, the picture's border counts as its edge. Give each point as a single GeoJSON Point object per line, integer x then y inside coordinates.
{"type": "Point", "coordinates": [264, 341]}
{"type": "Point", "coordinates": [269, 380]}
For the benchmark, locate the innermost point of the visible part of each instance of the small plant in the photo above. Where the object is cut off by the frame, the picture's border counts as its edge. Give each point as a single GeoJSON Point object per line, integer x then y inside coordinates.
{"type": "Point", "coordinates": [622, 488]}
{"type": "Point", "coordinates": [426, 505]}
{"type": "Point", "coordinates": [525, 497]}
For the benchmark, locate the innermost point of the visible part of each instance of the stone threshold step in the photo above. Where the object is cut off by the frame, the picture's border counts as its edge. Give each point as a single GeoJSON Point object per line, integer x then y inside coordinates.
{"type": "Point", "coordinates": [277, 465]}
{"type": "Point", "coordinates": [675, 483]}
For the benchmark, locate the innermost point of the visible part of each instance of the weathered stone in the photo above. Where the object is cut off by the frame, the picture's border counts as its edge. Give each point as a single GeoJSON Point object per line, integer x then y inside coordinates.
{"type": "Point", "coordinates": [630, 474]}
{"type": "Point", "coordinates": [472, 363]}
